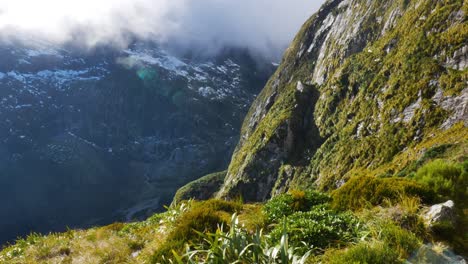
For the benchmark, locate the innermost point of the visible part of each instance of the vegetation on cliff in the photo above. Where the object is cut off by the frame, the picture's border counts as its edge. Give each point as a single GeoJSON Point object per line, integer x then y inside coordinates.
{"type": "Point", "coordinates": [349, 155]}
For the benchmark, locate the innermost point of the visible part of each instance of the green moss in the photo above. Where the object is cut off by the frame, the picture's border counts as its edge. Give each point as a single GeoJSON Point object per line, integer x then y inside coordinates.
{"type": "Point", "coordinates": [201, 189]}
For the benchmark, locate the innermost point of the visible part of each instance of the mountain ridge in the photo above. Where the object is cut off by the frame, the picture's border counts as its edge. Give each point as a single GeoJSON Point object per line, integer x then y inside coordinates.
{"type": "Point", "coordinates": [356, 55]}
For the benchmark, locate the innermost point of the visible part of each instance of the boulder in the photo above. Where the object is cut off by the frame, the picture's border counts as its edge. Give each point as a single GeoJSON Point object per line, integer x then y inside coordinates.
{"type": "Point", "coordinates": [437, 253]}
{"type": "Point", "coordinates": [440, 213]}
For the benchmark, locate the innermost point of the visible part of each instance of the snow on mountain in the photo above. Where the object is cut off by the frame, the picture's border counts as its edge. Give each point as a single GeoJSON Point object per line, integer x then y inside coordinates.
{"type": "Point", "coordinates": [128, 126]}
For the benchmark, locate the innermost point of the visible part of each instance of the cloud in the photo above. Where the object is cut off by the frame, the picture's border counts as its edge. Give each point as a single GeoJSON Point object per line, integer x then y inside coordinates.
{"type": "Point", "coordinates": [208, 25]}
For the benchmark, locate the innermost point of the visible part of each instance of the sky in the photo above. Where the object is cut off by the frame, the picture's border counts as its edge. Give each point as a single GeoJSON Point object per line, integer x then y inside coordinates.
{"type": "Point", "coordinates": [266, 26]}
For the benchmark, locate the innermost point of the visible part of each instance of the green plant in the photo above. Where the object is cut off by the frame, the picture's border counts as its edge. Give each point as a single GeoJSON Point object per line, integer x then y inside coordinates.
{"type": "Point", "coordinates": [239, 246]}
{"type": "Point", "coordinates": [373, 252]}
{"type": "Point", "coordinates": [319, 229]}
{"type": "Point", "coordinates": [432, 153]}
{"type": "Point", "coordinates": [202, 217]}
{"type": "Point", "coordinates": [447, 179]}
{"type": "Point", "coordinates": [363, 191]}
{"type": "Point", "coordinates": [400, 240]}
{"type": "Point", "coordinates": [294, 201]}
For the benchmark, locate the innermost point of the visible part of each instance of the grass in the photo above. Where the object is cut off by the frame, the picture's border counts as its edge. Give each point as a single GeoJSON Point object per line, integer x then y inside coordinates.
{"type": "Point", "coordinates": [374, 252]}
{"type": "Point", "coordinates": [205, 216]}
{"type": "Point", "coordinates": [214, 231]}
{"type": "Point", "coordinates": [367, 191]}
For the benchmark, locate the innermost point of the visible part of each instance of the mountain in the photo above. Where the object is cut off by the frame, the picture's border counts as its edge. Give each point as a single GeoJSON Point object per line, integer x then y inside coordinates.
{"type": "Point", "coordinates": [95, 136]}
{"type": "Point", "coordinates": [355, 151]}
{"type": "Point", "coordinates": [367, 87]}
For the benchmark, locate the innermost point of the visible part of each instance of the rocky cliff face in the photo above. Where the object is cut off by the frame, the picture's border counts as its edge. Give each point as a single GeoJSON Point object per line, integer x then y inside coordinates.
{"type": "Point", "coordinates": [109, 135]}
{"type": "Point", "coordinates": [365, 88]}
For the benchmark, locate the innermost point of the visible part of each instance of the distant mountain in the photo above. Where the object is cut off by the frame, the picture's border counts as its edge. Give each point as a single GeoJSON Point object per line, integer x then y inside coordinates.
{"type": "Point", "coordinates": [110, 135]}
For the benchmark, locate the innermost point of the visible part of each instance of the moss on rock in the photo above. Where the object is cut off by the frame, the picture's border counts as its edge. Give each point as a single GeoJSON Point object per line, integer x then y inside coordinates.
{"type": "Point", "coordinates": [201, 189]}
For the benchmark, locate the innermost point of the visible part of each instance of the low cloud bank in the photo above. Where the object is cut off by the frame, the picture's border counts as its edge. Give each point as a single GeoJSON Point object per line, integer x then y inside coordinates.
{"type": "Point", "coordinates": [265, 26]}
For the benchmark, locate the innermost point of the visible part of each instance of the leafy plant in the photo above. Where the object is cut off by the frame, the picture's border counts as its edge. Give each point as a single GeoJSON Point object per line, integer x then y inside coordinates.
{"type": "Point", "coordinates": [319, 229]}
{"type": "Point", "coordinates": [203, 217]}
{"type": "Point", "coordinates": [239, 246]}
{"type": "Point", "coordinates": [294, 201]}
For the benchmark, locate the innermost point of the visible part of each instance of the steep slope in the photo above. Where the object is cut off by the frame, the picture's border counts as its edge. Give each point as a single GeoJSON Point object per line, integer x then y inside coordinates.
{"type": "Point", "coordinates": [366, 88]}
{"type": "Point", "coordinates": [110, 135]}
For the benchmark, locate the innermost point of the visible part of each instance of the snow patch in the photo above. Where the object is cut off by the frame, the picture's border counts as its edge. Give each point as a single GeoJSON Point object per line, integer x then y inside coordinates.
{"type": "Point", "coordinates": [42, 52]}
{"type": "Point", "coordinates": [206, 91]}
{"type": "Point", "coordinates": [166, 61]}
{"type": "Point", "coordinates": [23, 106]}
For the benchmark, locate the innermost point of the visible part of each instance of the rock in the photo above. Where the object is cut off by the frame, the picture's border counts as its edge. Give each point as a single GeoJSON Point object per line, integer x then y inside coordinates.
{"type": "Point", "coordinates": [201, 189]}
{"type": "Point", "coordinates": [410, 111]}
{"type": "Point", "coordinates": [300, 87]}
{"type": "Point", "coordinates": [457, 105]}
{"type": "Point", "coordinates": [459, 60]}
{"type": "Point", "coordinates": [439, 254]}
{"type": "Point", "coordinates": [440, 213]}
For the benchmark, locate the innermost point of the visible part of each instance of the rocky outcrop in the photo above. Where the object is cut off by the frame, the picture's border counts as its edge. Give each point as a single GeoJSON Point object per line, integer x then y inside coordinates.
{"type": "Point", "coordinates": [459, 60]}
{"type": "Point", "coordinates": [456, 105]}
{"type": "Point", "coordinates": [288, 141]}
{"type": "Point", "coordinates": [438, 253]}
{"type": "Point", "coordinates": [374, 69]}
{"type": "Point", "coordinates": [201, 189]}
{"type": "Point", "coordinates": [441, 213]}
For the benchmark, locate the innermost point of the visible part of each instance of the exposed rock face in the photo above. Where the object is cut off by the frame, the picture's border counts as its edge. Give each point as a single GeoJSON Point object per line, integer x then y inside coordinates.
{"type": "Point", "coordinates": [110, 135]}
{"type": "Point", "coordinates": [459, 60]}
{"type": "Point", "coordinates": [441, 213]}
{"type": "Point", "coordinates": [456, 105]}
{"type": "Point", "coordinates": [359, 84]}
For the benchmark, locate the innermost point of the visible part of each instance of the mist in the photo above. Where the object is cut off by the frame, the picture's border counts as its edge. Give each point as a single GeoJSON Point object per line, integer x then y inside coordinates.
{"type": "Point", "coordinates": [263, 26]}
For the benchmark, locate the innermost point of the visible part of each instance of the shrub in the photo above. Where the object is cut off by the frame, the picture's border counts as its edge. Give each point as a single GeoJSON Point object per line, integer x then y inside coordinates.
{"type": "Point", "coordinates": [359, 192]}
{"type": "Point", "coordinates": [400, 240]}
{"type": "Point", "coordinates": [430, 154]}
{"type": "Point", "coordinates": [220, 205]}
{"type": "Point", "coordinates": [364, 253]}
{"type": "Point", "coordinates": [449, 180]}
{"type": "Point", "coordinates": [294, 201]}
{"type": "Point", "coordinates": [319, 229]}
